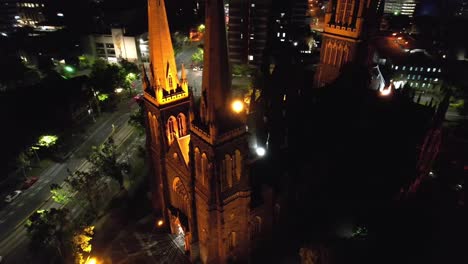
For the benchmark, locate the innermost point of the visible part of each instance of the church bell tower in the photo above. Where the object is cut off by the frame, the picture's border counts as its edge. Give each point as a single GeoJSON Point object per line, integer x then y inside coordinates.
{"type": "Point", "coordinates": [166, 99]}
{"type": "Point", "coordinates": [348, 23]}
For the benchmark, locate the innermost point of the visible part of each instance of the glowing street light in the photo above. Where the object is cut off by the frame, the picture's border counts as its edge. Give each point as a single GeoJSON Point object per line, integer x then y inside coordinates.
{"type": "Point", "coordinates": [237, 106]}
{"type": "Point", "coordinates": [91, 261]}
{"type": "Point", "coordinates": [160, 223]}
{"type": "Point", "coordinates": [69, 69]}
{"type": "Point", "coordinates": [260, 151]}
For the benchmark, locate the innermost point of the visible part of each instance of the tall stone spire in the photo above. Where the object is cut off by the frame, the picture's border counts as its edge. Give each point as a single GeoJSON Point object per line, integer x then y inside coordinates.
{"type": "Point", "coordinates": [216, 82]}
{"type": "Point", "coordinates": [163, 66]}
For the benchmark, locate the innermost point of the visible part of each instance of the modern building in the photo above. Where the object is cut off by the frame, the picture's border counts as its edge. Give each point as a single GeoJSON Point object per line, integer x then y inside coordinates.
{"type": "Point", "coordinates": [348, 25]}
{"type": "Point", "coordinates": [202, 167]}
{"type": "Point", "coordinates": [117, 46]}
{"type": "Point", "coordinates": [247, 22]}
{"type": "Point", "coordinates": [17, 14]}
{"type": "Point", "coordinates": [401, 7]}
{"type": "Point", "coordinates": [404, 64]}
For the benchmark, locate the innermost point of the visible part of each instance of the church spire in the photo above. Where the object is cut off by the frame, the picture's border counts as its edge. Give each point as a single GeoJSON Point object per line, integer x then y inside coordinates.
{"type": "Point", "coordinates": [162, 61]}
{"type": "Point", "coordinates": [216, 83]}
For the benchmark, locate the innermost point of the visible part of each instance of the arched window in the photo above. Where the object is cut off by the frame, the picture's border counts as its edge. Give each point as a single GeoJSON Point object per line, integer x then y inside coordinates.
{"type": "Point", "coordinates": [204, 169]}
{"type": "Point", "coordinates": [181, 125]}
{"type": "Point", "coordinates": [232, 241]}
{"type": "Point", "coordinates": [170, 81]}
{"type": "Point", "coordinates": [228, 169]}
{"type": "Point", "coordinates": [180, 195]}
{"type": "Point", "coordinates": [238, 164]}
{"type": "Point", "coordinates": [198, 166]}
{"type": "Point", "coordinates": [172, 130]}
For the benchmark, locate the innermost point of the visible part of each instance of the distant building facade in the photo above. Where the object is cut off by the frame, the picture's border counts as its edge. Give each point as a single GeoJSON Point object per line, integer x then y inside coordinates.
{"type": "Point", "coordinates": [117, 46]}
{"type": "Point", "coordinates": [401, 7]}
{"type": "Point", "coordinates": [247, 22]}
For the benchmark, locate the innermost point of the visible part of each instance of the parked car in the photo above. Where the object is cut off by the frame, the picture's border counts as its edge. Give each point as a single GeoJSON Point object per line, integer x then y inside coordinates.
{"type": "Point", "coordinates": [29, 182]}
{"type": "Point", "coordinates": [9, 198]}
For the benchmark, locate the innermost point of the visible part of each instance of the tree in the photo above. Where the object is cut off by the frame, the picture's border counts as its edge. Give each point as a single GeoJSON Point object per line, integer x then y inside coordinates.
{"type": "Point", "coordinates": [82, 243]}
{"type": "Point", "coordinates": [23, 161]}
{"type": "Point", "coordinates": [104, 77]}
{"type": "Point", "coordinates": [129, 67]}
{"type": "Point", "coordinates": [137, 119]}
{"type": "Point", "coordinates": [60, 194]}
{"type": "Point", "coordinates": [197, 57]}
{"type": "Point", "coordinates": [104, 159]}
{"type": "Point", "coordinates": [50, 230]}
{"type": "Point", "coordinates": [241, 69]}
{"type": "Point", "coordinates": [86, 183]}
{"type": "Point", "coordinates": [178, 41]}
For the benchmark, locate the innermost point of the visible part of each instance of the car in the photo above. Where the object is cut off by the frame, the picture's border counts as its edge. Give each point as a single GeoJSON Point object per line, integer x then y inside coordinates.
{"type": "Point", "coordinates": [9, 198]}
{"type": "Point", "coordinates": [29, 182]}
{"type": "Point", "coordinates": [138, 98]}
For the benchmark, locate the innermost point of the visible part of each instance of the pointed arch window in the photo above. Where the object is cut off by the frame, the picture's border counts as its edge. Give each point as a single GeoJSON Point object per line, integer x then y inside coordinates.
{"type": "Point", "coordinates": [227, 167]}
{"type": "Point", "coordinates": [232, 241]}
{"type": "Point", "coordinates": [204, 169]}
{"type": "Point", "coordinates": [170, 81]}
{"type": "Point", "coordinates": [237, 164]}
{"type": "Point", "coordinates": [198, 166]}
{"type": "Point", "coordinates": [181, 125]}
{"type": "Point", "coordinates": [172, 129]}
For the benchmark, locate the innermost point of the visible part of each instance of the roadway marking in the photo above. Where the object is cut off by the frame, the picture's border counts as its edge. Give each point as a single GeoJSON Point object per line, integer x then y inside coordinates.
{"type": "Point", "coordinates": [11, 213]}
{"type": "Point", "coordinates": [20, 204]}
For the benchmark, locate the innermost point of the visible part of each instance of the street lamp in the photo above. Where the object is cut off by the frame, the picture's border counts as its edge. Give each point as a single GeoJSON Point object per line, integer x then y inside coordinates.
{"type": "Point", "coordinates": [69, 69]}
{"type": "Point", "coordinates": [237, 106]}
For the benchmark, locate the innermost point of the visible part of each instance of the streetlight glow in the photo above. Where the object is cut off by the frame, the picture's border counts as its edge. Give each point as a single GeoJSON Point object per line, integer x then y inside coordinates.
{"type": "Point", "coordinates": [237, 106]}
{"type": "Point", "coordinates": [160, 223]}
{"type": "Point", "coordinates": [91, 261]}
{"type": "Point", "coordinates": [260, 151]}
{"type": "Point", "coordinates": [69, 69]}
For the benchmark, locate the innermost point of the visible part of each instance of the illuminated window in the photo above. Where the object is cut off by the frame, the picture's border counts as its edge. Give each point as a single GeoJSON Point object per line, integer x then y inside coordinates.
{"type": "Point", "coordinates": [278, 34]}
{"type": "Point", "coordinates": [434, 69]}
{"type": "Point", "coordinates": [396, 67]}
{"type": "Point", "coordinates": [403, 68]}
{"type": "Point", "coordinates": [252, 5]}
{"type": "Point", "coordinates": [411, 68]}
{"type": "Point", "coordinates": [284, 34]}
{"type": "Point", "coordinates": [250, 57]}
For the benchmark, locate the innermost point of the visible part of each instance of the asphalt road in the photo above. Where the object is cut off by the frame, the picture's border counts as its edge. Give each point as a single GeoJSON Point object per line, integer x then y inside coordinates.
{"type": "Point", "coordinates": [13, 216]}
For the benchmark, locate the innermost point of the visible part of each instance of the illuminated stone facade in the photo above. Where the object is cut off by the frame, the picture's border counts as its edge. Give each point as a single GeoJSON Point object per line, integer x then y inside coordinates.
{"type": "Point", "coordinates": [199, 150]}
{"type": "Point", "coordinates": [346, 26]}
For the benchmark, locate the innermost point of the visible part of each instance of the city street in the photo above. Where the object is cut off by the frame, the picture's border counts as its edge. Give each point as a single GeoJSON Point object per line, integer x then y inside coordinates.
{"type": "Point", "coordinates": [14, 215]}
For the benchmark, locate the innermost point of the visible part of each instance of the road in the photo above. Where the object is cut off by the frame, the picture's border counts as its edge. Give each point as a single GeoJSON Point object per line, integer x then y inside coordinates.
{"type": "Point", "coordinates": [194, 77]}
{"type": "Point", "coordinates": [13, 216]}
